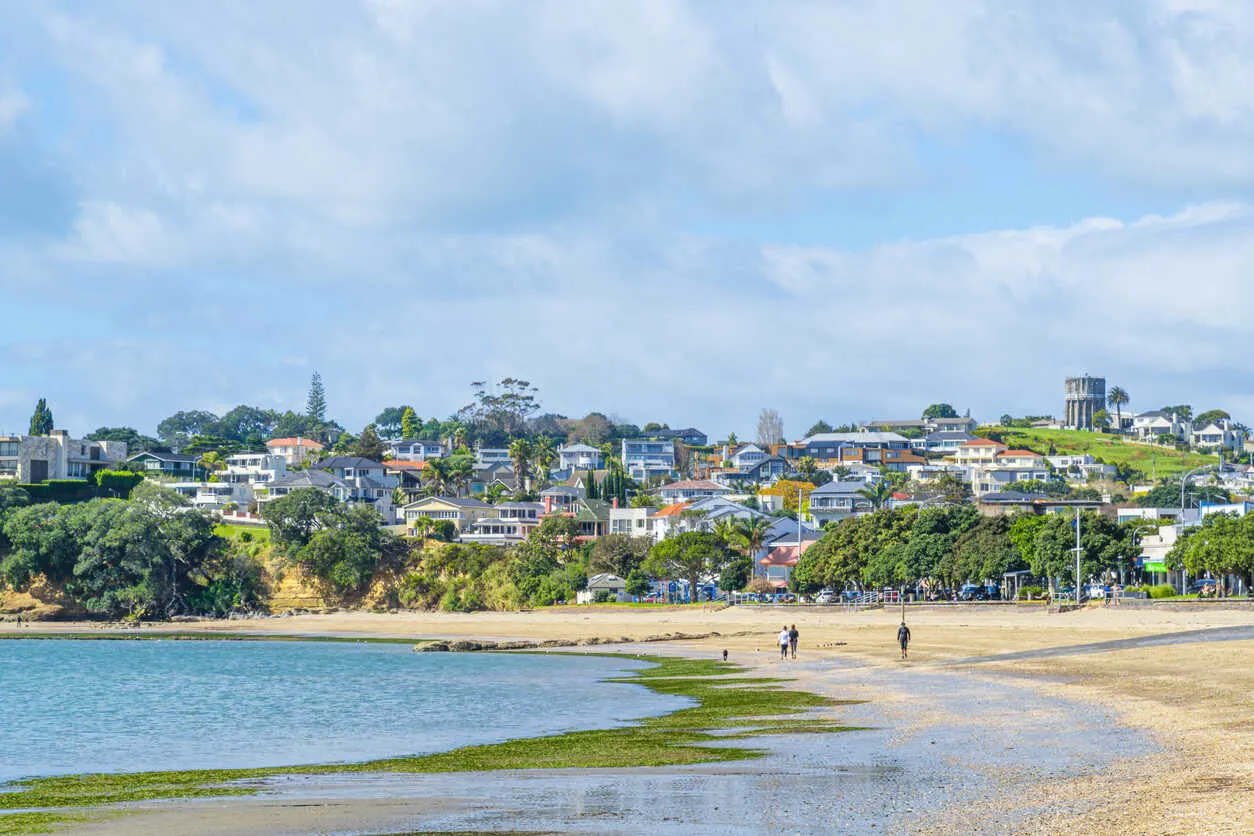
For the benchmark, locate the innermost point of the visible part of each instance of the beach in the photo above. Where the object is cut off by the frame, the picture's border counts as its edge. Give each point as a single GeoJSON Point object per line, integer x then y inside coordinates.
{"type": "Point", "coordinates": [1119, 719]}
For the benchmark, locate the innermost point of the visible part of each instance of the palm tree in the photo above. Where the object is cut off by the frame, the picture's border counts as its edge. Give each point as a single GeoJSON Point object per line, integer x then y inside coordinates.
{"type": "Point", "coordinates": [544, 455]}
{"type": "Point", "coordinates": [807, 466]}
{"type": "Point", "coordinates": [727, 531]}
{"type": "Point", "coordinates": [753, 533]}
{"type": "Point", "coordinates": [461, 471]}
{"type": "Point", "coordinates": [211, 462]}
{"type": "Point", "coordinates": [436, 475]}
{"type": "Point", "coordinates": [879, 493]}
{"type": "Point", "coordinates": [521, 451]}
{"type": "Point", "coordinates": [1117, 398]}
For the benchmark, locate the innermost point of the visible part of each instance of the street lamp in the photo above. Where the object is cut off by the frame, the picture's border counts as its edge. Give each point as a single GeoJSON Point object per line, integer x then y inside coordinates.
{"type": "Point", "coordinates": [1184, 480]}
{"type": "Point", "coordinates": [1136, 542]}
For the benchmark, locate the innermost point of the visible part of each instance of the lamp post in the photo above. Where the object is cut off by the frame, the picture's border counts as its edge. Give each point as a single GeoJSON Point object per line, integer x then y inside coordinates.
{"type": "Point", "coordinates": [1184, 480]}
{"type": "Point", "coordinates": [1136, 542]}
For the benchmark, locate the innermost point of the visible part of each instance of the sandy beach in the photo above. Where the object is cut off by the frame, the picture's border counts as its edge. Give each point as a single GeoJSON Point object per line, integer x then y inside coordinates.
{"type": "Point", "coordinates": [1174, 683]}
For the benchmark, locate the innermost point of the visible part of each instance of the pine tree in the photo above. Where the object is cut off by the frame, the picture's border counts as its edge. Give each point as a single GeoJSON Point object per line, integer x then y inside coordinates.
{"type": "Point", "coordinates": [368, 445]}
{"type": "Point", "coordinates": [590, 483]}
{"type": "Point", "coordinates": [41, 421]}
{"type": "Point", "coordinates": [316, 406]}
{"type": "Point", "coordinates": [410, 425]}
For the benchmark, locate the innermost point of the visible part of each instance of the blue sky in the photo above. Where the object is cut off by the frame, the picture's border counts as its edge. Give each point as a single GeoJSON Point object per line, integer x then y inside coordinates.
{"type": "Point", "coordinates": [658, 210]}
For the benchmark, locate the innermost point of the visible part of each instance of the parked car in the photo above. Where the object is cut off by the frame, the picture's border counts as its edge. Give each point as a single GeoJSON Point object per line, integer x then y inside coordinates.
{"type": "Point", "coordinates": [973, 592]}
{"type": "Point", "coordinates": [825, 596]}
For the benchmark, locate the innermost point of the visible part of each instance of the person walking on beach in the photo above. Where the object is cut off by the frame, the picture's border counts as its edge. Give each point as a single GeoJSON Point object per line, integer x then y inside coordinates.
{"type": "Point", "coordinates": [903, 638]}
{"type": "Point", "coordinates": [793, 636]}
{"type": "Point", "coordinates": [783, 643]}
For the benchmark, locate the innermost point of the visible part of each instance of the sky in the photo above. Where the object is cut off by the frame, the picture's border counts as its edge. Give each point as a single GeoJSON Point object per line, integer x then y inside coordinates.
{"type": "Point", "coordinates": [664, 211]}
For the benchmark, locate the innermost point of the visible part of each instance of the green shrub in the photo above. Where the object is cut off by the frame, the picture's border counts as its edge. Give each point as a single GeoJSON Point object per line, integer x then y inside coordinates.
{"type": "Point", "coordinates": [1163, 590]}
{"type": "Point", "coordinates": [1030, 593]}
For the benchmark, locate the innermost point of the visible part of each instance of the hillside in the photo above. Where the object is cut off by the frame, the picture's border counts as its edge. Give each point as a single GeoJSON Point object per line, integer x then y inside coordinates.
{"type": "Point", "coordinates": [1150, 459]}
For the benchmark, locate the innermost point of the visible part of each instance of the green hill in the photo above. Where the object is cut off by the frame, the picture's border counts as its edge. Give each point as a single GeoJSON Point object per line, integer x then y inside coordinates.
{"type": "Point", "coordinates": [1150, 459]}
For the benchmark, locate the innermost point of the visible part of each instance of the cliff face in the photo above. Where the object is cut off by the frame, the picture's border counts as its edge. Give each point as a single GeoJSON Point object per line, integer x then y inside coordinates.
{"type": "Point", "coordinates": [39, 603]}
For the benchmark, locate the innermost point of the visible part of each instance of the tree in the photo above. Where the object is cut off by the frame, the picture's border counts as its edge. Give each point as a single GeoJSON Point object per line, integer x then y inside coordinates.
{"type": "Point", "coordinates": [41, 421]}
{"type": "Point", "coordinates": [770, 428]}
{"type": "Point", "coordinates": [939, 410]}
{"type": "Point", "coordinates": [368, 445]}
{"type": "Point", "coordinates": [211, 461]}
{"type": "Point", "coordinates": [689, 556]}
{"type": "Point", "coordinates": [520, 452]}
{"type": "Point", "coordinates": [500, 413]}
{"type": "Point", "coordinates": [294, 518]}
{"type": "Point", "coordinates": [592, 429]}
{"type": "Point", "coordinates": [637, 583]}
{"type": "Point", "coordinates": [618, 554]}
{"type": "Point", "coordinates": [389, 421]}
{"type": "Point", "coordinates": [820, 426]}
{"type": "Point", "coordinates": [1223, 544]}
{"type": "Point", "coordinates": [134, 441]}
{"type": "Point", "coordinates": [1006, 419]}
{"type": "Point", "coordinates": [751, 535]}
{"type": "Point", "coordinates": [1101, 419]}
{"type": "Point", "coordinates": [410, 425]}
{"type": "Point", "coordinates": [1118, 397]}
{"type": "Point", "coordinates": [807, 467]}
{"type": "Point", "coordinates": [879, 493]}
{"type": "Point", "coordinates": [347, 552]}
{"type": "Point", "coordinates": [316, 403]}
{"type": "Point", "coordinates": [590, 485]}
{"type": "Point", "coordinates": [1183, 411]}
{"type": "Point", "coordinates": [245, 424]}
{"type": "Point", "coordinates": [951, 489]}
{"type": "Point", "coordinates": [181, 426]}
{"type": "Point", "coordinates": [736, 575]}
{"type": "Point", "coordinates": [1211, 416]}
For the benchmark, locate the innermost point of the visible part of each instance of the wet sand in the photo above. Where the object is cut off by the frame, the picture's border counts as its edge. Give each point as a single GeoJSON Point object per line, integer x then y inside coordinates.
{"type": "Point", "coordinates": [1005, 719]}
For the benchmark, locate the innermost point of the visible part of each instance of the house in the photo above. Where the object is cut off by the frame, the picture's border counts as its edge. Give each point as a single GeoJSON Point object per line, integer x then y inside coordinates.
{"type": "Point", "coordinates": [945, 441]}
{"type": "Point", "coordinates": [690, 436]}
{"type": "Point", "coordinates": [978, 452]}
{"type": "Point", "coordinates": [1006, 502]}
{"type": "Point", "coordinates": [253, 469]}
{"type": "Point", "coordinates": [176, 465]}
{"type": "Point", "coordinates": [1020, 458]}
{"type": "Point", "coordinates": [593, 517]}
{"type": "Point", "coordinates": [408, 473]}
{"type": "Point", "coordinates": [645, 459]}
{"type": "Point", "coordinates": [493, 455]}
{"type": "Point", "coordinates": [32, 459]}
{"type": "Point", "coordinates": [779, 562]}
{"type": "Point", "coordinates": [416, 450]}
{"type": "Point", "coordinates": [1080, 467]}
{"type": "Point", "coordinates": [690, 489]}
{"type": "Point", "coordinates": [461, 511]}
{"type": "Point", "coordinates": [350, 479]}
{"type": "Point", "coordinates": [1218, 435]}
{"type": "Point", "coordinates": [487, 474]}
{"type": "Point", "coordinates": [634, 522]}
{"type": "Point", "coordinates": [764, 471]}
{"type": "Point", "coordinates": [560, 497]}
{"type": "Point", "coordinates": [512, 524]}
{"type": "Point", "coordinates": [213, 496]}
{"type": "Point", "coordinates": [985, 480]}
{"type": "Point", "coordinates": [965, 424]}
{"type": "Point", "coordinates": [838, 501]}
{"type": "Point", "coordinates": [746, 455]}
{"type": "Point", "coordinates": [900, 461]}
{"type": "Point", "coordinates": [580, 457]}
{"type": "Point", "coordinates": [827, 447]}
{"type": "Point", "coordinates": [295, 451]}
{"type": "Point", "coordinates": [602, 587]}
{"type": "Point", "coordinates": [1155, 424]}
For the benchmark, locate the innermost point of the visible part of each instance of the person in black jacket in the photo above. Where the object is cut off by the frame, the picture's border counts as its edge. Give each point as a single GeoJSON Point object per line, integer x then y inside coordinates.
{"type": "Point", "coordinates": [793, 637]}
{"type": "Point", "coordinates": [903, 638]}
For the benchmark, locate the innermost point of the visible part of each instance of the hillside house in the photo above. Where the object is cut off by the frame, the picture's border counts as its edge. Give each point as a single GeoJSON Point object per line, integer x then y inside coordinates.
{"type": "Point", "coordinates": [295, 451]}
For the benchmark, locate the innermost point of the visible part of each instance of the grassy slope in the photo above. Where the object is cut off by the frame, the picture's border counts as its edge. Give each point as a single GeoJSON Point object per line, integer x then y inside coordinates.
{"type": "Point", "coordinates": [1147, 458]}
{"type": "Point", "coordinates": [749, 706]}
{"type": "Point", "coordinates": [260, 533]}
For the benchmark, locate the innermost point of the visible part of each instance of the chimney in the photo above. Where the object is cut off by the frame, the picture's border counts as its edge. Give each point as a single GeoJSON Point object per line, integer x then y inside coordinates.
{"type": "Point", "coordinates": [548, 505]}
{"type": "Point", "coordinates": [614, 502]}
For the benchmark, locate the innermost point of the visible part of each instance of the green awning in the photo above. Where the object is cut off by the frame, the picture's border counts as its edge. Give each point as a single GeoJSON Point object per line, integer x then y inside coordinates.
{"type": "Point", "coordinates": [1151, 566]}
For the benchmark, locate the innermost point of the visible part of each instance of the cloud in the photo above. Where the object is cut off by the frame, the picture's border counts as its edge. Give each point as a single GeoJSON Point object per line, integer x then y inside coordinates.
{"type": "Point", "coordinates": [409, 196]}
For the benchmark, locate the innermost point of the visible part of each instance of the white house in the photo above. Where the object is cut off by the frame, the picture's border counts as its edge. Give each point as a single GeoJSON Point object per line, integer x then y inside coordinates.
{"type": "Point", "coordinates": [580, 457]}
{"type": "Point", "coordinates": [1151, 425]}
{"type": "Point", "coordinates": [747, 455]}
{"type": "Point", "coordinates": [691, 489]}
{"type": "Point", "coordinates": [415, 450]}
{"type": "Point", "coordinates": [838, 501]}
{"type": "Point", "coordinates": [1218, 435]}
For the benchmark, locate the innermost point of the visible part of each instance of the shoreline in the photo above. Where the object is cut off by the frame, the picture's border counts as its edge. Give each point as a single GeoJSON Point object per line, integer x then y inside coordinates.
{"type": "Point", "coordinates": [1186, 697]}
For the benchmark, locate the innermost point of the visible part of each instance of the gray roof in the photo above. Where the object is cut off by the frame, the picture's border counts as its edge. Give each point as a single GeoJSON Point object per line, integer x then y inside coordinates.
{"type": "Point", "coordinates": [949, 435]}
{"type": "Point", "coordinates": [563, 490]}
{"type": "Point", "coordinates": [166, 457]}
{"type": "Point", "coordinates": [308, 479]}
{"type": "Point", "coordinates": [356, 462]}
{"type": "Point", "coordinates": [579, 448]}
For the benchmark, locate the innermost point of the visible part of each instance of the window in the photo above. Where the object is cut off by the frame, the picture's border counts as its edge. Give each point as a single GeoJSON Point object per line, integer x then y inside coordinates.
{"type": "Point", "coordinates": [9, 448]}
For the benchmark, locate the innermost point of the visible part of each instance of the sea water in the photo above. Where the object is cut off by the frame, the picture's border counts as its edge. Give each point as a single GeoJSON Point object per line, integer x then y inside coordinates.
{"type": "Point", "coordinates": [73, 706]}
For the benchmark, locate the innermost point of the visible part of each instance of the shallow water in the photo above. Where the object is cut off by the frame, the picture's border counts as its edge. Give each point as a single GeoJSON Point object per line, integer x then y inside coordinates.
{"type": "Point", "coordinates": [71, 706]}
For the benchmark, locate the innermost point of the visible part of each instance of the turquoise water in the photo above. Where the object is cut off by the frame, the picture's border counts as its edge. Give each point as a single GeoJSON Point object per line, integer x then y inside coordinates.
{"type": "Point", "coordinates": [122, 706]}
